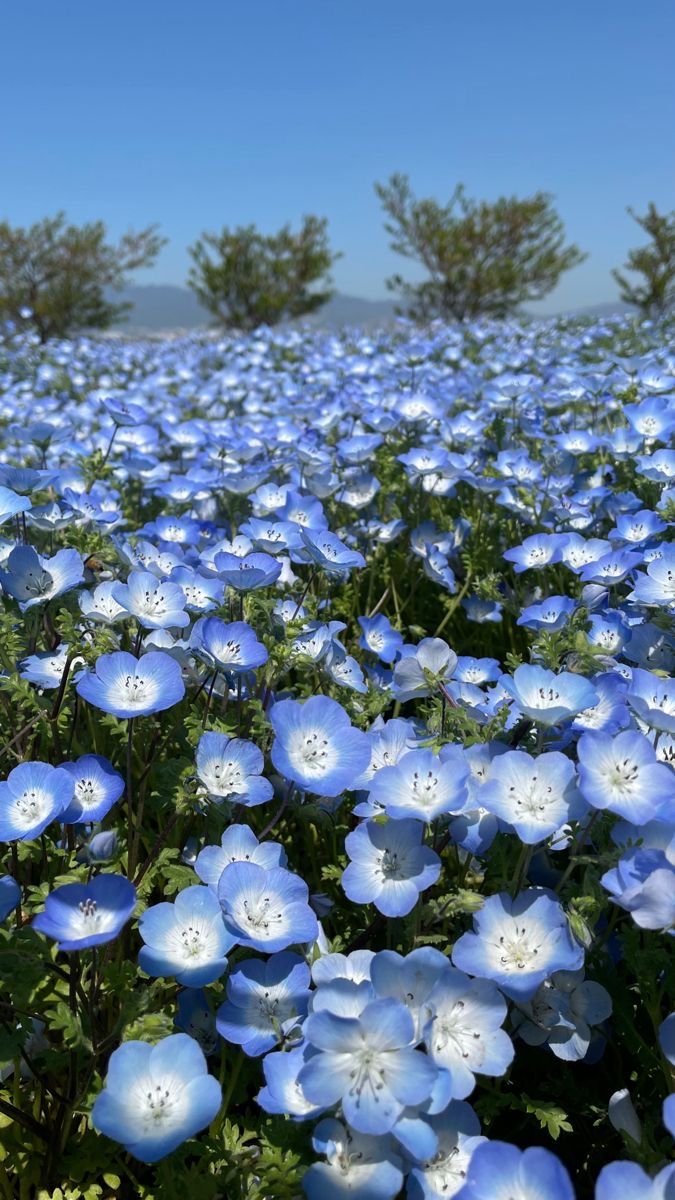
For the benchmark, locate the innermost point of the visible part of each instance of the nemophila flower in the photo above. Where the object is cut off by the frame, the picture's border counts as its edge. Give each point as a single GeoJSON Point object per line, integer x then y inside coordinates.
{"type": "Point", "coordinates": [244, 573]}
{"type": "Point", "coordinates": [33, 795]}
{"type": "Point", "coordinates": [31, 579]}
{"type": "Point", "coordinates": [272, 537]}
{"type": "Point", "coordinates": [610, 713]}
{"type": "Point", "coordinates": [622, 1115]}
{"type": "Point", "coordinates": [186, 940]}
{"type": "Point", "coordinates": [546, 696]}
{"type": "Point", "coordinates": [652, 698]}
{"type": "Point", "coordinates": [389, 866]}
{"type": "Point", "coordinates": [561, 1014]}
{"type": "Point", "coordinates": [652, 418]}
{"type": "Point", "coordinates": [657, 587]}
{"type": "Point", "coordinates": [354, 966]}
{"type": "Point", "coordinates": [536, 796]}
{"type": "Point", "coordinates": [620, 1180]}
{"type": "Point", "coordinates": [500, 1171]}
{"type": "Point", "coordinates": [518, 942]}
{"type": "Point", "coordinates": [232, 648]}
{"type": "Point", "coordinates": [422, 669]}
{"type": "Point", "coordinates": [265, 1002]}
{"type": "Point", "coordinates": [155, 1097]}
{"type": "Point", "coordinates": [368, 1064]}
{"type": "Point", "coordinates": [126, 686]}
{"type": "Point", "coordinates": [635, 528]}
{"type": "Point", "coordinates": [201, 592]}
{"type": "Point", "coordinates": [643, 882]}
{"type": "Point", "coordinates": [316, 746]}
{"type": "Point", "coordinates": [230, 769]}
{"type": "Point", "coordinates": [97, 787]}
{"type": "Point", "coordinates": [608, 632]}
{"type": "Point", "coordinates": [125, 412]}
{"type": "Point", "coordinates": [380, 638]}
{"type": "Point", "coordinates": [266, 910]}
{"type": "Point", "coordinates": [344, 670]}
{"type": "Point", "coordinates": [536, 551]}
{"type": "Point", "coordinates": [622, 774]}
{"type": "Point", "coordinates": [422, 785]}
{"type": "Point", "coordinates": [10, 896]}
{"type": "Point", "coordinates": [410, 979]}
{"type": "Point", "coordinates": [238, 844]}
{"type": "Point", "coordinates": [612, 568]}
{"type": "Point", "coordinates": [101, 847]}
{"type": "Point", "coordinates": [357, 1165]}
{"type": "Point", "coordinates": [328, 553]}
{"type": "Point", "coordinates": [551, 614]}
{"type": "Point", "coordinates": [477, 670]}
{"type": "Point", "coordinates": [155, 604]}
{"type": "Point", "coordinates": [11, 504]}
{"type": "Point", "coordinates": [196, 1018]}
{"type": "Point", "coordinates": [80, 915]}
{"type": "Point", "coordinates": [46, 668]}
{"type": "Point", "coordinates": [463, 1032]}
{"type": "Point", "coordinates": [457, 1129]}
{"type": "Point", "coordinates": [101, 606]}
{"type": "Point", "coordinates": [482, 611]}
{"type": "Point", "coordinates": [282, 1092]}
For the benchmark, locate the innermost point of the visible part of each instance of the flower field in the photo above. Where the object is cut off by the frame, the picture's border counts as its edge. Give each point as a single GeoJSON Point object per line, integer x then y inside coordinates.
{"type": "Point", "coordinates": [337, 792]}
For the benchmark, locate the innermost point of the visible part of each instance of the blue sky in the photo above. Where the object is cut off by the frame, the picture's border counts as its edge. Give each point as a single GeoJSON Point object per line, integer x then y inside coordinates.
{"type": "Point", "coordinates": [201, 113]}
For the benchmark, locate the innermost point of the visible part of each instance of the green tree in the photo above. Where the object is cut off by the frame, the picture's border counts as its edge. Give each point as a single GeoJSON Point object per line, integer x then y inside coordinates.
{"type": "Point", "coordinates": [246, 278]}
{"type": "Point", "coordinates": [61, 273]}
{"type": "Point", "coordinates": [655, 294]}
{"type": "Point", "coordinates": [482, 258]}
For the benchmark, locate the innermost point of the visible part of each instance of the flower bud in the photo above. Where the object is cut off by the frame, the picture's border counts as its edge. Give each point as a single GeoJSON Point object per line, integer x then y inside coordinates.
{"type": "Point", "coordinates": [623, 1116]}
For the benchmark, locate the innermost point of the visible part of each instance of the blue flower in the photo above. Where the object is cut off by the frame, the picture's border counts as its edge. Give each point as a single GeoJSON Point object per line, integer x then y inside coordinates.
{"type": "Point", "coordinates": [246, 572]}
{"type": "Point", "coordinates": [368, 1064]}
{"type": "Point", "coordinates": [10, 896]}
{"type": "Point", "coordinates": [329, 553]}
{"type": "Point", "coordinates": [31, 579]}
{"type": "Point", "coordinates": [230, 769]}
{"type": "Point", "coordinates": [79, 915]}
{"type": "Point", "coordinates": [266, 909]}
{"type": "Point", "coordinates": [652, 698]}
{"type": "Point", "coordinates": [551, 614]}
{"type": "Point", "coordinates": [46, 668]}
{"type": "Point", "coordinates": [666, 1037]}
{"type": "Point", "coordinates": [196, 1018]}
{"type": "Point", "coordinates": [422, 669]}
{"type": "Point", "coordinates": [622, 774]}
{"type": "Point", "coordinates": [457, 1130]}
{"type": "Point", "coordinates": [519, 943]}
{"type": "Point", "coordinates": [282, 1092]}
{"type": "Point", "coordinates": [536, 551]}
{"type": "Point", "coordinates": [498, 1169]}
{"type": "Point", "coordinates": [97, 787]}
{"type": "Point", "coordinates": [155, 1097]}
{"type": "Point", "coordinates": [265, 1002]}
{"type": "Point", "coordinates": [536, 796]}
{"type": "Point", "coordinates": [547, 697]}
{"type": "Point", "coordinates": [129, 687]}
{"type": "Point", "coordinates": [232, 648]}
{"type": "Point", "coordinates": [463, 1033]}
{"type": "Point", "coordinates": [410, 979]}
{"type": "Point", "coordinates": [561, 1013]}
{"type": "Point", "coordinates": [357, 1165]}
{"type": "Point", "coordinates": [643, 882]}
{"type": "Point", "coordinates": [11, 504]}
{"type": "Point", "coordinates": [621, 1180]}
{"type": "Point", "coordinates": [201, 591]}
{"type": "Point", "coordinates": [657, 587]}
{"type": "Point", "coordinates": [156, 604]}
{"type": "Point", "coordinates": [316, 745]}
{"type": "Point", "coordinates": [33, 795]}
{"type": "Point", "coordinates": [389, 866]}
{"type": "Point", "coordinates": [380, 638]}
{"type": "Point", "coordinates": [238, 844]}
{"type": "Point", "coordinates": [422, 785]}
{"type": "Point", "coordinates": [186, 940]}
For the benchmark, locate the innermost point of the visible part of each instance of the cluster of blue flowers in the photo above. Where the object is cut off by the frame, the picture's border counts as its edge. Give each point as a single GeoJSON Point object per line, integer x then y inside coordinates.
{"type": "Point", "coordinates": [339, 697]}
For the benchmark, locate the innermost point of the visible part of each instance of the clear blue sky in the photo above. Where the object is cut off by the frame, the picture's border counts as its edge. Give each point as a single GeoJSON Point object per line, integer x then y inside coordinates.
{"type": "Point", "coordinates": [205, 112]}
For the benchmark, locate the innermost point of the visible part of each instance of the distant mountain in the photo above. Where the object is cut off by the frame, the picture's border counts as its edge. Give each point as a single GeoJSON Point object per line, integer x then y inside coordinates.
{"type": "Point", "coordinates": [159, 307]}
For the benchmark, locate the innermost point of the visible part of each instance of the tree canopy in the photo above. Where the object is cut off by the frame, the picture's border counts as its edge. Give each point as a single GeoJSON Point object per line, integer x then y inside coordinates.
{"type": "Point", "coordinates": [655, 262]}
{"type": "Point", "coordinates": [58, 276]}
{"type": "Point", "coordinates": [483, 258]}
{"type": "Point", "coordinates": [246, 278]}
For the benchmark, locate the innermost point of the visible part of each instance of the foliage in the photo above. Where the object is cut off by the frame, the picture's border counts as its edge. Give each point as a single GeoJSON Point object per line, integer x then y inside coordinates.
{"type": "Point", "coordinates": [483, 258]}
{"type": "Point", "coordinates": [655, 262]}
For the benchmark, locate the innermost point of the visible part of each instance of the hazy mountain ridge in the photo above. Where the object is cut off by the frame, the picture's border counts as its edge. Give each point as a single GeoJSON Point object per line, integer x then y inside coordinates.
{"type": "Point", "coordinates": [160, 307]}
